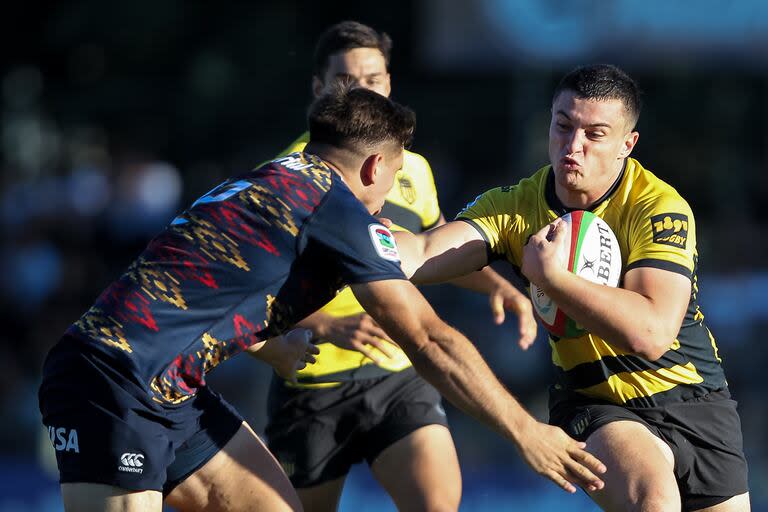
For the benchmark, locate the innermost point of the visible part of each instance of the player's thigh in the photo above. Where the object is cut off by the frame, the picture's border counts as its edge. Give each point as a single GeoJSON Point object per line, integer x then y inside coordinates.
{"type": "Point", "coordinates": [640, 473]}
{"type": "Point", "coordinates": [738, 503]}
{"type": "Point", "coordinates": [89, 497]}
{"type": "Point", "coordinates": [243, 476]}
{"type": "Point", "coordinates": [421, 470]}
{"type": "Point", "coordinates": [324, 497]}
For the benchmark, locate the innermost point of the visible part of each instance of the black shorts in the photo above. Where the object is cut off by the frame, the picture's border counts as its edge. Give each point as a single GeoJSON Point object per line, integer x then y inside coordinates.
{"type": "Point", "coordinates": [318, 434]}
{"type": "Point", "coordinates": [704, 434]}
{"type": "Point", "coordinates": [106, 429]}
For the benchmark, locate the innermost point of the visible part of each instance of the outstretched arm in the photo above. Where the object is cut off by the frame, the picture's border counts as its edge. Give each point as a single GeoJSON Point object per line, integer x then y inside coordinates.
{"type": "Point", "coordinates": [502, 296]}
{"type": "Point", "coordinates": [450, 362]}
{"type": "Point", "coordinates": [455, 252]}
{"type": "Point", "coordinates": [441, 254]}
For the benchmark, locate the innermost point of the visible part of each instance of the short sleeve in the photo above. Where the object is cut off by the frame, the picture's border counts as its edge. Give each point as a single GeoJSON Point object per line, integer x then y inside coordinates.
{"type": "Point", "coordinates": [351, 240]}
{"type": "Point", "coordinates": [493, 220]}
{"type": "Point", "coordinates": [663, 235]}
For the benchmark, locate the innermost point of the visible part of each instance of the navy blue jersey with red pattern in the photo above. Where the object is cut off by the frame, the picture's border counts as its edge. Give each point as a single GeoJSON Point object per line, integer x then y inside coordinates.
{"type": "Point", "coordinates": [244, 263]}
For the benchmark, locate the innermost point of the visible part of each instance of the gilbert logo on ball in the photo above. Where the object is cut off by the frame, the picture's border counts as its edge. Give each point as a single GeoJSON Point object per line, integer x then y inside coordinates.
{"type": "Point", "coordinates": [592, 253]}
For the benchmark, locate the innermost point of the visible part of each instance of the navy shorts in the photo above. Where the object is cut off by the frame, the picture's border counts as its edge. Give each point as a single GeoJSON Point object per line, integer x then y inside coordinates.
{"type": "Point", "coordinates": [106, 429]}
{"type": "Point", "coordinates": [318, 434]}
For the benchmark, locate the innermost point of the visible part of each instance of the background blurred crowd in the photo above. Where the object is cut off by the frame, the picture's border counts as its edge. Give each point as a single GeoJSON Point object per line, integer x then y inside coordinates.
{"type": "Point", "coordinates": [113, 117]}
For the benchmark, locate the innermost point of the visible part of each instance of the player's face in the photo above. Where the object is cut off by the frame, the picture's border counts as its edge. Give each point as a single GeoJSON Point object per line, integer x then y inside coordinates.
{"type": "Point", "coordinates": [364, 65]}
{"type": "Point", "coordinates": [588, 142]}
{"type": "Point", "coordinates": [385, 178]}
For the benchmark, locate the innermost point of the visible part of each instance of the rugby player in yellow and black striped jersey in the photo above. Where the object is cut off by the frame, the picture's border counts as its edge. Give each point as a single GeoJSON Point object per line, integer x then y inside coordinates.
{"type": "Point", "coordinates": [644, 386]}
{"type": "Point", "coordinates": [362, 400]}
{"type": "Point", "coordinates": [655, 229]}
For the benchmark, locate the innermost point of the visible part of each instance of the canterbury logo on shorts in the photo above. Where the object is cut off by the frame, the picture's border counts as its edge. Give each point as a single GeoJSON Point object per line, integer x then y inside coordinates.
{"type": "Point", "coordinates": [131, 463]}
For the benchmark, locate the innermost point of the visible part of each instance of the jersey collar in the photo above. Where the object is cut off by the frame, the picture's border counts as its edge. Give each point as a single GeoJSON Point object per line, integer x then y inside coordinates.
{"type": "Point", "coordinates": [560, 209]}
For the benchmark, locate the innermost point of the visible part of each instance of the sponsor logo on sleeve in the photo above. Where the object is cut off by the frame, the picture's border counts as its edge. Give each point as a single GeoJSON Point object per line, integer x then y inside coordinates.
{"type": "Point", "coordinates": [383, 242]}
{"type": "Point", "coordinates": [670, 229]}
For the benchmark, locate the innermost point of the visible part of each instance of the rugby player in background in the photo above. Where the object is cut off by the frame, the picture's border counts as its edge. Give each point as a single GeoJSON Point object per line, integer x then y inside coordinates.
{"type": "Point", "coordinates": [399, 425]}
{"type": "Point", "coordinates": [126, 384]}
{"type": "Point", "coordinates": [644, 386]}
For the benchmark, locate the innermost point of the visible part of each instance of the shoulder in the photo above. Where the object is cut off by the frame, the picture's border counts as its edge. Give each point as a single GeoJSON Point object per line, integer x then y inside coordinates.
{"type": "Point", "coordinates": [535, 183]}
{"type": "Point", "coordinates": [646, 190]}
{"type": "Point", "coordinates": [526, 190]}
{"type": "Point", "coordinates": [417, 168]}
{"type": "Point", "coordinates": [415, 162]}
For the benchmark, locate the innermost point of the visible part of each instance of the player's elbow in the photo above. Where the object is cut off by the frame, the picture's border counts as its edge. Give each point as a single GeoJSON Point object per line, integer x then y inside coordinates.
{"type": "Point", "coordinates": [651, 353]}
{"type": "Point", "coordinates": [428, 345]}
{"type": "Point", "coordinates": [416, 341]}
{"type": "Point", "coordinates": [653, 344]}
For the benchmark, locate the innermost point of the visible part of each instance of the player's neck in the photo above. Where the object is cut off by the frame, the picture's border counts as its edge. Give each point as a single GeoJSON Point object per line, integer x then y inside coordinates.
{"type": "Point", "coordinates": [336, 158]}
{"type": "Point", "coordinates": [341, 161]}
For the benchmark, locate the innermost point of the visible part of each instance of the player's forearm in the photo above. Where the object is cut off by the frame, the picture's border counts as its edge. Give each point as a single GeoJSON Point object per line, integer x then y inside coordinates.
{"type": "Point", "coordinates": [440, 254]}
{"type": "Point", "coordinates": [266, 350]}
{"type": "Point", "coordinates": [451, 363]}
{"type": "Point", "coordinates": [627, 320]}
{"type": "Point", "coordinates": [318, 323]}
{"type": "Point", "coordinates": [451, 266]}
{"type": "Point", "coordinates": [484, 281]}
{"type": "Point", "coordinates": [411, 249]}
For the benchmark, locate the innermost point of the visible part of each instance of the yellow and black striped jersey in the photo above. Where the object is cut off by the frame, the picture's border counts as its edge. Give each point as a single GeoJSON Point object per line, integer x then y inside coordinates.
{"type": "Point", "coordinates": [655, 228]}
{"type": "Point", "coordinates": [411, 205]}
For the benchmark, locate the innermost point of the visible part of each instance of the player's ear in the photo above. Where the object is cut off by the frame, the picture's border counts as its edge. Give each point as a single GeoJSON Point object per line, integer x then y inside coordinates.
{"type": "Point", "coordinates": [369, 172]}
{"type": "Point", "coordinates": [630, 140]}
{"type": "Point", "coordinates": [317, 86]}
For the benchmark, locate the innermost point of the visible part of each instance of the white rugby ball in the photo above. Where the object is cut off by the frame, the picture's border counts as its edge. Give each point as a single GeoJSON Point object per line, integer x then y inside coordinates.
{"type": "Point", "coordinates": [592, 253]}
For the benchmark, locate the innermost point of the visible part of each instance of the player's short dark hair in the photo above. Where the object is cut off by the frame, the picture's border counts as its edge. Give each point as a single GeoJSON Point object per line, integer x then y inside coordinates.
{"type": "Point", "coordinates": [348, 35]}
{"type": "Point", "coordinates": [603, 82]}
{"type": "Point", "coordinates": [355, 118]}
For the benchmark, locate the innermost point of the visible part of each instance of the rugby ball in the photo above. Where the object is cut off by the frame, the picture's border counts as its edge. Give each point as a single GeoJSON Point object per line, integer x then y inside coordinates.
{"type": "Point", "coordinates": [591, 251]}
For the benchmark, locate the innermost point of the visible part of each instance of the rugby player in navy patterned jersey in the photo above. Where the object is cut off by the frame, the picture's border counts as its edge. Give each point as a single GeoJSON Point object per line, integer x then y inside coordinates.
{"type": "Point", "coordinates": [124, 394]}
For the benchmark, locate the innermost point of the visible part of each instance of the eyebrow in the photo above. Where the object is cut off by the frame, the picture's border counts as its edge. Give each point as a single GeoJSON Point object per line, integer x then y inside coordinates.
{"type": "Point", "coordinates": [593, 125]}
{"type": "Point", "coordinates": [369, 75]}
